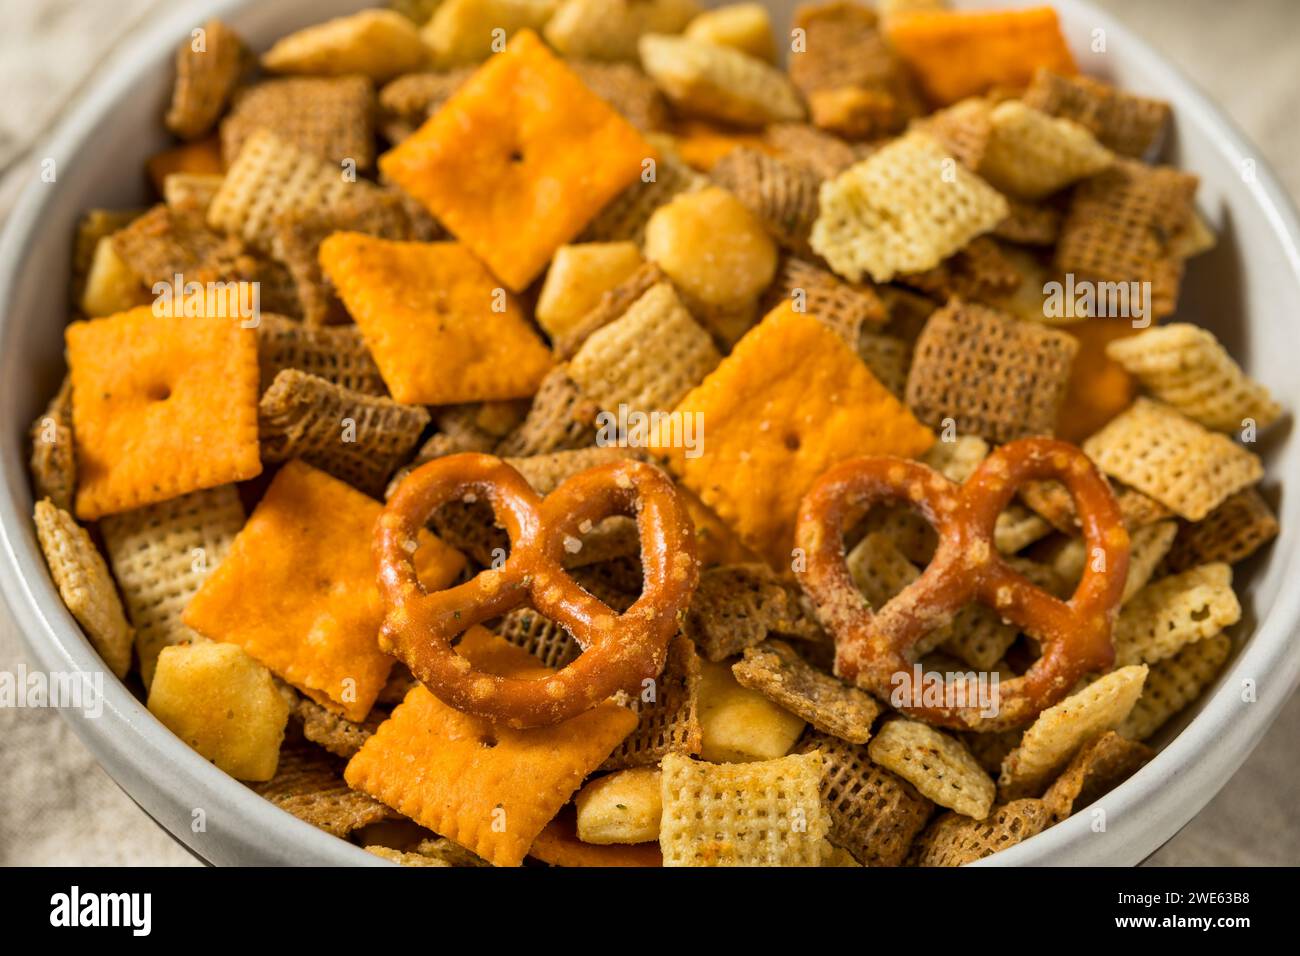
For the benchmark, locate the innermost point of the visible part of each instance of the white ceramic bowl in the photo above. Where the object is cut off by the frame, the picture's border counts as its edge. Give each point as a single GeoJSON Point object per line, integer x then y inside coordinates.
{"type": "Point", "coordinates": [1246, 291]}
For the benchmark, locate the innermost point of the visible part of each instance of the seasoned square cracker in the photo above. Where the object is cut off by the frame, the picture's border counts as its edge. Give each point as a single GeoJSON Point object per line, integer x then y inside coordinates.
{"type": "Point", "coordinates": [519, 160]}
{"type": "Point", "coordinates": [438, 326]}
{"type": "Point", "coordinates": [767, 813]}
{"type": "Point", "coordinates": [161, 554]}
{"type": "Point", "coordinates": [82, 577]}
{"type": "Point", "coordinates": [298, 589]}
{"type": "Point", "coordinates": [487, 787]}
{"type": "Point", "coordinates": [776, 671]}
{"type": "Point", "coordinates": [905, 208]}
{"type": "Point", "coordinates": [161, 406]}
{"type": "Point", "coordinates": [791, 399]}
{"type": "Point", "coordinates": [1171, 458]}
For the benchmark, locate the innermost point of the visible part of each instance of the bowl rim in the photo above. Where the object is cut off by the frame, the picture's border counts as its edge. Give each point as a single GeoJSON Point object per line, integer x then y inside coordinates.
{"type": "Point", "coordinates": [158, 770]}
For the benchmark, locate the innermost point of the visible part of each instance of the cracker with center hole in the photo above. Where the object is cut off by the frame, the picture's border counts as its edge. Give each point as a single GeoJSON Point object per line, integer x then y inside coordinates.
{"type": "Point", "coordinates": [161, 406]}
{"type": "Point", "coordinates": [298, 589]}
{"type": "Point", "coordinates": [1186, 368]}
{"type": "Point", "coordinates": [874, 814]}
{"type": "Point", "coordinates": [1098, 768]}
{"type": "Point", "coordinates": [627, 89]}
{"type": "Point", "coordinates": [208, 68]}
{"type": "Point", "coordinates": [336, 354]}
{"type": "Point", "coordinates": [161, 555]}
{"type": "Point", "coordinates": [1174, 683]}
{"type": "Point", "coordinates": [1031, 155]}
{"type": "Point", "coordinates": [223, 704]}
{"type": "Point", "coordinates": [993, 376]}
{"type": "Point", "coordinates": [846, 307]}
{"type": "Point", "coordinates": [782, 195]}
{"type": "Point", "coordinates": [805, 145]}
{"type": "Point", "coordinates": [53, 462]}
{"type": "Point", "coordinates": [269, 178]}
{"type": "Point", "coordinates": [519, 160]}
{"type": "Point", "coordinates": [766, 813]}
{"type": "Point", "coordinates": [1171, 458]}
{"type": "Point", "coordinates": [1030, 224]}
{"type": "Point", "coordinates": [791, 399]}
{"type": "Point", "coordinates": [646, 360]}
{"type": "Point", "coordinates": [1129, 124]}
{"type": "Point", "coordinates": [737, 606]}
{"type": "Point", "coordinates": [778, 673]}
{"type": "Point", "coordinates": [1173, 612]}
{"type": "Point", "coordinates": [376, 43]}
{"type": "Point", "coordinates": [82, 577]}
{"type": "Point", "coordinates": [668, 719]}
{"type": "Point", "coordinates": [719, 83]}
{"type": "Point", "coordinates": [625, 217]}
{"type": "Point", "coordinates": [338, 735]}
{"type": "Point", "coordinates": [558, 845]}
{"type": "Point", "coordinates": [560, 417]}
{"type": "Point", "coordinates": [939, 766]}
{"type": "Point", "coordinates": [356, 437]}
{"type": "Point", "coordinates": [489, 788]}
{"type": "Point", "coordinates": [1060, 730]}
{"type": "Point", "coordinates": [1232, 532]}
{"type": "Point", "coordinates": [955, 840]}
{"type": "Point", "coordinates": [958, 54]}
{"type": "Point", "coordinates": [332, 117]}
{"type": "Point", "coordinates": [978, 271]}
{"type": "Point", "coordinates": [1148, 546]}
{"type": "Point", "coordinates": [439, 327]}
{"type": "Point", "coordinates": [309, 784]}
{"type": "Point", "coordinates": [1120, 228]}
{"type": "Point", "coordinates": [905, 208]}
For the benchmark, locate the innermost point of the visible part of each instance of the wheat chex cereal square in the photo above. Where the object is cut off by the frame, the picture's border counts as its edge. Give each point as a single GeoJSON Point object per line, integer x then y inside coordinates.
{"type": "Point", "coordinates": [161, 554]}
{"type": "Point", "coordinates": [206, 76]}
{"type": "Point", "coordinates": [736, 606]}
{"type": "Point", "coordinates": [995, 376]}
{"type": "Point", "coordinates": [53, 463]}
{"type": "Point", "coordinates": [782, 195]}
{"type": "Point", "coordinates": [1175, 682]}
{"type": "Point", "coordinates": [166, 242]}
{"type": "Point", "coordinates": [1230, 533]}
{"type": "Point", "coordinates": [519, 160]}
{"type": "Point", "coordinates": [648, 358]}
{"type": "Point", "coordinates": [875, 815]}
{"type": "Point", "coordinates": [161, 406]}
{"type": "Point", "coordinates": [791, 399]}
{"type": "Point", "coordinates": [488, 787]}
{"type": "Point", "coordinates": [764, 813]}
{"type": "Point", "coordinates": [905, 208]}
{"type": "Point", "coordinates": [329, 117]}
{"type": "Point", "coordinates": [82, 577]}
{"type": "Point", "coordinates": [1172, 459]}
{"type": "Point", "coordinates": [439, 327]}
{"type": "Point", "coordinates": [776, 671]}
{"type": "Point", "coordinates": [955, 840]}
{"type": "Point", "coordinates": [670, 722]}
{"type": "Point", "coordinates": [627, 89]}
{"type": "Point", "coordinates": [560, 417]}
{"type": "Point", "coordinates": [298, 591]}
{"type": "Point", "coordinates": [1129, 124]}
{"type": "Point", "coordinates": [309, 784]}
{"type": "Point", "coordinates": [1102, 764]}
{"type": "Point", "coordinates": [337, 354]}
{"type": "Point", "coordinates": [1122, 226]}
{"type": "Point", "coordinates": [847, 308]}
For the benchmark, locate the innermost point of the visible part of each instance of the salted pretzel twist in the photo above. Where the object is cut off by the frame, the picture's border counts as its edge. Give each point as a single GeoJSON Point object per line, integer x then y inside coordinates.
{"type": "Point", "coordinates": [873, 648]}
{"type": "Point", "coordinates": [619, 650]}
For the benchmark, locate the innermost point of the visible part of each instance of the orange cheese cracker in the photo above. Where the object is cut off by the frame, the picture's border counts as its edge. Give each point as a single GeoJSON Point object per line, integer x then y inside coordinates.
{"type": "Point", "coordinates": [959, 54]}
{"type": "Point", "coordinates": [439, 327]}
{"type": "Point", "coordinates": [558, 845]}
{"type": "Point", "coordinates": [298, 591]}
{"type": "Point", "coordinates": [519, 160]}
{"type": "Point", "coordinates": [789, 402]}
{"type": "Point", "coordinates": [161, 406]}
{"type": "Point", "coordinates": [1099, 387]}
{"type": "Point", "coordinates": [487, 787]}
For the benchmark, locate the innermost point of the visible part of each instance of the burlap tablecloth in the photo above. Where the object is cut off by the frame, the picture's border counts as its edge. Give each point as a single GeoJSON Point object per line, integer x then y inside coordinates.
{"type": "Point", "coordinates": [58, 807]}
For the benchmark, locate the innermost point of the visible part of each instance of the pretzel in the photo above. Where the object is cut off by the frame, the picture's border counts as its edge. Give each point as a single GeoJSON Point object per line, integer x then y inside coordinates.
{"type": "Point", "coordinates": [620, 651]}
{"type": "Point", "coordinates": [873, 647]}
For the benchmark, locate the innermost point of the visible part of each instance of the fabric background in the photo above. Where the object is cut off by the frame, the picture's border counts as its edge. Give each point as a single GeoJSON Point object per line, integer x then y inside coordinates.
{"type": "Point", "coordinates": [57, 807]}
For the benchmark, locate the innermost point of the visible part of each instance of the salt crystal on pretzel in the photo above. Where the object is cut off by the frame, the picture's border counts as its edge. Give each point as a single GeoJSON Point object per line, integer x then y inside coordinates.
{"type": "Point", "coordinates": [1175, 682]}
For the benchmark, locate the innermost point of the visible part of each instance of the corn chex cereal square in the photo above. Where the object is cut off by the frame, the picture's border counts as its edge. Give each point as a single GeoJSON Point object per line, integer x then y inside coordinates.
{"type": "Point", "coordinates": [995, 376]}
{"type": "Point", "coordinates": [298, 591]}
{"type": "Point", "coordinates": [488, 787]}
{"type": "Point", "coordinates": [937, 764]}
{"type": "Point", "coordinates": [519, 160]}
{"type": "Point", "coordinates": [1032, 155]}
{"type": "Point", "coordinates": [1171, 458]}
{"type": "Point", "coordinates": [790, 401]}
{"type": "Point", "coordinates": [905, 208]}
{"type": "Point", "coordinates": [1131, 125]}
{"type": "Point", "coordinates": [764, 813]}
{"type": "Point", "coordinates": [438, 326]}
{"type": "Point", "coordinates": [161, 406]}
{"type": "Point", "coordinates": [374, 43]}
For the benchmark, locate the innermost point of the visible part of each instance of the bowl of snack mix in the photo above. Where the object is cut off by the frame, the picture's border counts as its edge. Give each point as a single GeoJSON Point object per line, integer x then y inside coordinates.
{"type": "Point", "coordinates": [569, 432]}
